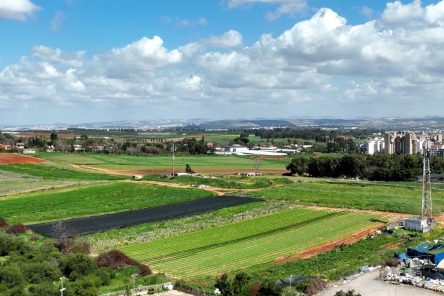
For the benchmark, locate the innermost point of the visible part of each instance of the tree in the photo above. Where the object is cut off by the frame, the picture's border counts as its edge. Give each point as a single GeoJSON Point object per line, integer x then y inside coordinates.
{"type": "Point", "coordinates": [269, 288]}
{"type": "Point", "coordinates": [298, 165]}
{"type": "Point", "coordinates": [348, 293]}
{"type": "Point", "coordinates": [238, 286]}
{"type": "Point", "coordinates": [11, 277]}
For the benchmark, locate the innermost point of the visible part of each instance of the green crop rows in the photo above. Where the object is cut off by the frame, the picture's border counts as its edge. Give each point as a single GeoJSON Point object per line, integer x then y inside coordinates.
{"type": "Point", "coordinates": [240, 245]}
{"type": "Point", "coordinates": [91, 200]}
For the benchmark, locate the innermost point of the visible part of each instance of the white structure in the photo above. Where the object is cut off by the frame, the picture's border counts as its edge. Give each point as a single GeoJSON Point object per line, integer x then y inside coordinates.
{"type": "Point", "coordinates": [236, 149]}
{"type": "Point", "coordinates": [417, 224]}
{"type": "Point", "coordinates": [375, 145]}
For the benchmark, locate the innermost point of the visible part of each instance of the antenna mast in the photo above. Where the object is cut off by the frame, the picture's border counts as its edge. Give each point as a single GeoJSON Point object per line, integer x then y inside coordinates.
{"type": "Point", "coordinates": [427, 212]}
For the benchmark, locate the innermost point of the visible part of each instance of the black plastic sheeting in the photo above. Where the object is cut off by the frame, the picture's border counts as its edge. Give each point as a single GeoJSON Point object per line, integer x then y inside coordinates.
{"type": "Point", "coordinates": [93, 224]}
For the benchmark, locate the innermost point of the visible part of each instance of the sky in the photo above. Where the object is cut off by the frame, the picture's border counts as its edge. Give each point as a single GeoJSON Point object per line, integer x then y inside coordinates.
{"type": "Point", "coordinates": [75, 61]}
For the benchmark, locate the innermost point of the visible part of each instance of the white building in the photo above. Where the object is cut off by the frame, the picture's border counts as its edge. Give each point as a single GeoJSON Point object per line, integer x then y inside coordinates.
{"type": "Point", "coordinates": [375, 145]}
{"type": "Point", "coordinates": [236, 149]}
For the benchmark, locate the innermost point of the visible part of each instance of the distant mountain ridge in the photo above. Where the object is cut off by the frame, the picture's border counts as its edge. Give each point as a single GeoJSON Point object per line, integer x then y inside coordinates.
{"type": "Point", "coordinates": [393, 123]}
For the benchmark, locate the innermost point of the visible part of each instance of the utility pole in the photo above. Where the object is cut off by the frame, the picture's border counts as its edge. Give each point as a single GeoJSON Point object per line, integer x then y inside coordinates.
{"type": "Point", "coordinates": [426, 209]}
{"type": "Point", "coordinates": [62, 289]}
{"type": "Point", "coordinates": [173, 159]}
{"type": "Point", "coordinates": [133, 276]}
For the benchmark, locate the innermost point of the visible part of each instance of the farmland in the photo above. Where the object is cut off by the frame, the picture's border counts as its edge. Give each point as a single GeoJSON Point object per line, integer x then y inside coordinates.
{"type": "Point", "coordinates": [12, 158]}
{"type": "Point", "coordinates": [91, 200]}
{"type": "Point", "coordinates": [390, 197]}
{"type": "Point", "coordinates": [147, 164]}
{"type": "Point", "coordinates": [239, 245]}
{"type": "Point", "coordinates": [50, 171]}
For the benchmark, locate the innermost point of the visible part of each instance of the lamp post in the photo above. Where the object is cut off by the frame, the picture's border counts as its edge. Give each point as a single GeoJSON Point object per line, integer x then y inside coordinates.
{"type": "Point", "coordinates": [291, 276]}
{"type": "Point", "coordinates": [133, 276]}
{"type": "Point", "coordinates": [62, 289]}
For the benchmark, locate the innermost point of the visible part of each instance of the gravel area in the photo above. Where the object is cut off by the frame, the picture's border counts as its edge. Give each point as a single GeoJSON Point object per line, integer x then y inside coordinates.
{"type": "Point", "coordinates": [368, 284]}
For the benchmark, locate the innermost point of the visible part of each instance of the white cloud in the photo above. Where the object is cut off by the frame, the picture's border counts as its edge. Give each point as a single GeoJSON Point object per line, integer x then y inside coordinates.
{"type": "Point", "coordinates": [319, 66]}
{"type": "Point", "coordinates": [57, 21]}
{"type": "Point", "coordinates": [284, 7]}
{"type": "Point", "coordinates": [17, 9]}
{"type": "Point", "coordinates": [229, 39]}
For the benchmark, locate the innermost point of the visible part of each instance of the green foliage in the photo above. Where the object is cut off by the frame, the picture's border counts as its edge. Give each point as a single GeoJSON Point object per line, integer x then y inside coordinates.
{"type": "Point", "coordinates": [392, 197]}
{"type": "Point", "coordinates": [84, 286]}
{"type": "Point", "coordinates": [10, 276]}
{"type": "Point", "coordinates": [347, 293]}
{"type": "Point", "coordinates": [55, 172]}
{"type": "Point", "coordinates": [46, 289]}
{"type": "Point", "coordinates": [237, 286]}
{"type": "Point", "coordinates": [269, 288]}
{"type": "Point", "coordinates": [90, 200]}
{"type": "Point", "coordinates": [78, 265]}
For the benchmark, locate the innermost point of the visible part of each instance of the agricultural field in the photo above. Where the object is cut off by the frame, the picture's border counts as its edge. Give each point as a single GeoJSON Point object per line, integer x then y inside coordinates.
{"type": "Point", "coordinates": [162, 164]}
{"type": "Point", "coordinates": [391, 197]}
{"type": "Point", "coordinates": [50, 171]}
{"type": "Point", "coordinates": [247, 243]}
{"type": "Point", "coordinates": [228, 182]}
{"type": "Point", "coordinates": [91, 200]}
{"type": "Point", "coordinates": [13, 158]}
{"type": "Point", "coordinates": [14, 183]}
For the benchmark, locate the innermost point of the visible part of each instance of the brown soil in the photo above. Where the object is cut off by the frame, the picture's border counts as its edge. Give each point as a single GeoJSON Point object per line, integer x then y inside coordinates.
{"type": "Point", "coordinates": [329, 246]}
{"type": "Point", "coordinates": [13, 158]}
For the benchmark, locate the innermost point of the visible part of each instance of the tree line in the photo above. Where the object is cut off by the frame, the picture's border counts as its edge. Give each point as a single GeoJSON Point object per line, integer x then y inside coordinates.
{"type": "Point", "coordinates": [377, 167]}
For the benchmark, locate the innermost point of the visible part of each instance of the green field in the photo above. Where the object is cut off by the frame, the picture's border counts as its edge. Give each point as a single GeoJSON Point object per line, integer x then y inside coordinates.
{"type": "Point", "coordinates": [229, 182]}
{"type": "Point", "coordinates": [91, 200]}
{"type": "Point", "coordinates": [49, 171]}
{"type": "Point", "coordinates": [358, 195]}
{"type": "Point", "coordinates": [126, 162]}
{"type": "Point", "coordinates": [244, 244]}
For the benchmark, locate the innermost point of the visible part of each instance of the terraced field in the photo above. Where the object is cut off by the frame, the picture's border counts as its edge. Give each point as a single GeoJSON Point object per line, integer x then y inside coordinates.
{"type": "Point", "coordinates": [244, 244]}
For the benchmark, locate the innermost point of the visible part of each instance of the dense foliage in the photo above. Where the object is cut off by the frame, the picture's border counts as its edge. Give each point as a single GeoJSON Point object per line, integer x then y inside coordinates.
{"type": "Point", "coordinates": [378, 167]}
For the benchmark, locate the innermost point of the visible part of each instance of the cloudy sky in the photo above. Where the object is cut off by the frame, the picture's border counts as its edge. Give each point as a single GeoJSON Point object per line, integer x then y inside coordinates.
{"type": "Point", "coordinates": [100, 60]}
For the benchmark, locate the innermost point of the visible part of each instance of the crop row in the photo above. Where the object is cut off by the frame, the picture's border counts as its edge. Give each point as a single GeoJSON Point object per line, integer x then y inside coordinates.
{"type": "Point", "coordinates": [245, 253]}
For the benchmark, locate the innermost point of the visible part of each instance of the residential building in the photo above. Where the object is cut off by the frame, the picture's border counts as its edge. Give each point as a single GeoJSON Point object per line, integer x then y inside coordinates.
{"type": "Point", "coordinates": [375, 145]}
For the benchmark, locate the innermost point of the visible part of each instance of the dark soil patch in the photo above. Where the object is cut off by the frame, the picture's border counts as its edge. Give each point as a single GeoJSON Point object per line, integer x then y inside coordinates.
{"type": "Point", "coordinates": [79, 226]}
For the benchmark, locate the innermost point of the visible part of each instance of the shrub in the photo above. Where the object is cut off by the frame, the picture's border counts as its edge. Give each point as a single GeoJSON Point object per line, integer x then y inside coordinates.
{"type": "Point", "coordinates": [269, 288]}
{"type": "Point", "coordinates": [70, 245]}
{"type": "Point", "coordinates": [311, 286]}
{"type": "Point", "coordinates": [392, 262]}
{"type": "Point", "coordinates": [38, 272]}
{"type": "Point", "coordinates": [3, 223]}
{"type": "Point", "coordinates": [78, 265]}
{"type": "Point", "coordinates": [47, 289]}
{"type": "Point", "coordinates": [16, 229]}
{"type": "Point", "coordinates": [11, 277]}
{"type": "Point", "coordinates": [348, 293]}
{"type": "Point", "coordinates": [116, 259]}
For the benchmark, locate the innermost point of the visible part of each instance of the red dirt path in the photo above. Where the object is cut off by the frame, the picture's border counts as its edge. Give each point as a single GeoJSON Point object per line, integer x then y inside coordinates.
{"type": "Point", "coordinates": [13, 158]}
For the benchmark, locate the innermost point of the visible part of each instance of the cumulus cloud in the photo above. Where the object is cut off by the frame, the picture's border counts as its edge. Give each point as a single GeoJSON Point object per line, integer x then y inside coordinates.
{"type": "Point", "coordinates": [17, 9]}
{"type": "Point", "coordinates": [321, 61]}
{"type": "Point", "coordinates": [284, 7]}
{"type": "Point", "coordinates": [229, 39]}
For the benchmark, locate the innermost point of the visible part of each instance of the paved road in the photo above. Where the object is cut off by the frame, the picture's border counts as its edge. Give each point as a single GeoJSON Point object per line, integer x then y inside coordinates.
{"type": "Point", "coordinates": [105, 222]}
{"type": "Point", "coordinates": [369, 285]}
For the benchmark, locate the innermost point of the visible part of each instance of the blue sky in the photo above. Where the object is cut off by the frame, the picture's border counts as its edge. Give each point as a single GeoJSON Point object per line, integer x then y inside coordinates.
{"type": "Point", "coordinates": [101, 60]}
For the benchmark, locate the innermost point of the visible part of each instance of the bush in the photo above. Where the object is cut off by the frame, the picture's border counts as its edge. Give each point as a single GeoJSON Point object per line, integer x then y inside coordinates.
{"type": "Point", "coordinates": [16, 229]}
{"type": "Point", "coordinates": [70, 245]}
{"type": "Point", "coordinates": [311, 286]}
{"type": "Point", "coordinates": [38, 272]}
{"type": "Point", "coordinates": [11, 277]}
{"type": "Point", "coordinates": [3, 223]}
{"type": "Point", "coordinates": [348, 293]}
{"type": "Point", "coordinates": [78, 265]}
{"type": "Point", "coordinates": [47, 289]}
{"type": "Point", "coordinates": [115, 259]}
{"type": "Point", "coordinates": [269, 288]}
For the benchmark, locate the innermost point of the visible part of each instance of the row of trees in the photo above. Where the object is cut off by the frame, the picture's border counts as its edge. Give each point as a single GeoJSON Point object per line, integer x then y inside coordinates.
{"type": "Point", "coordinates": [380, 167]}
{"type": "Point", "coordinates": [319, 135]}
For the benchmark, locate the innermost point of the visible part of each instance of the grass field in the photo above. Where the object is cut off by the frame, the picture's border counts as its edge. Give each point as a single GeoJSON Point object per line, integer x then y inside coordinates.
{"type": "Point", "coordinates": [229, 182]}
{"type": "Point", "coordinates": [13, 183]}
{"type": "Point", "coordinates": [243, 244]}
{"type": "Point", "coordinates": [91, 200]}
{"type": "Point", "coordinates": [126, 162]}
{"type": "Point", "coordinates": [373, 196]}
{"type": "Point", "coordinates": [49, 171]}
